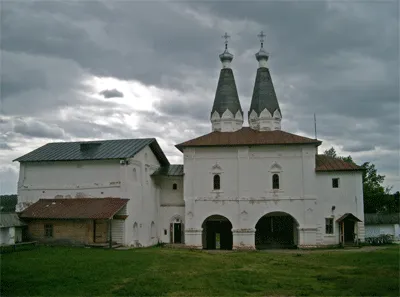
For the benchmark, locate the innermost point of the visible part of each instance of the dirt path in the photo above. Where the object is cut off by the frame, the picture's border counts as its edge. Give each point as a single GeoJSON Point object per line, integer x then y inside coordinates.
{"type": "Point", "coordinates": [363, 249]}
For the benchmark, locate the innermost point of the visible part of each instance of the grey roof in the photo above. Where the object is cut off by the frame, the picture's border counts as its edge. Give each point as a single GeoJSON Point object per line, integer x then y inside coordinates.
{"type": "Point", "coordinates": [170, 170]}
{"type": "Point", "coordinates": [10, 220]}
{"type": "Point", "coordinates": [378, 219]}
{"type": "Point", "coordinates": [94, 150]}
{"type": "Point", "coordinates": [226, 96]}
{"type": "Point", "coordinates": [264, 95]}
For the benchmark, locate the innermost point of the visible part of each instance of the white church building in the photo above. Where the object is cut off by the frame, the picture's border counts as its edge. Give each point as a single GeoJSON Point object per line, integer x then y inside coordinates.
{"type": "Point", "coordinates": [239, 187]}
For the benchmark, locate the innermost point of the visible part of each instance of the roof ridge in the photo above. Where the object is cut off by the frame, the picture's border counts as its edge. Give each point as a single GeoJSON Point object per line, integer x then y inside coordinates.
{"type": "Point", "coordinates": [102, 140]}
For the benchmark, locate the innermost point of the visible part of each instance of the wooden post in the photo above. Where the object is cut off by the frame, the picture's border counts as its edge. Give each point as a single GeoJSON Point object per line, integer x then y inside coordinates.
{"type": "Point", "coordinates": [110, 227]}
{"type": "Point", "coordinates": [342, 235]}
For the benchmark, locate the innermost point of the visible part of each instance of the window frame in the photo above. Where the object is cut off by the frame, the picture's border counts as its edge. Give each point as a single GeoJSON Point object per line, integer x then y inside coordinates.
{"type": "Point", "coordinates": [48, 230]}
{"type": "Point", "coordinates": [273, 181]}
{"type": "Point", "coordinates": [174, 186]}
{"type": "Point", "coordinates": [215, 177]}
{"type": "Point", "coordinates": [329, 226]}
{"type": "Point", "coordinates": [334, 179]}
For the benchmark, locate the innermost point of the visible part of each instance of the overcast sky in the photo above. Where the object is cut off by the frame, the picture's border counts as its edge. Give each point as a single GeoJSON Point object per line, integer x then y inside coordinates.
{"type": "Point", "coordinates": [80, 70]}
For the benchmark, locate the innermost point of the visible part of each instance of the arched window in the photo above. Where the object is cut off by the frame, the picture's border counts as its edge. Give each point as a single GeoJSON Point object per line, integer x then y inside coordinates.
{"type": "Point", "coordinates": [217, 182]}
{"type": "Point", "coordinates": [174, 187]}
{"type": "Point", "coordinates": [275, 181]}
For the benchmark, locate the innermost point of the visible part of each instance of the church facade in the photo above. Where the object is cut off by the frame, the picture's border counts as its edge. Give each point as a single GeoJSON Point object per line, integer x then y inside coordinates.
{"type": "Point", "coordinates": [238, 187]}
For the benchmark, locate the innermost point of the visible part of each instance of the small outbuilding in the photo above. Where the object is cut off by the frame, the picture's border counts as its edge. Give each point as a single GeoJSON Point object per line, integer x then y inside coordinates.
{"type": "Point", "coordinates": [377, 224]}
{"type": "Point", "coordinates": [11, 228]}
{"type": "Point", "coordinates": [76, 221]}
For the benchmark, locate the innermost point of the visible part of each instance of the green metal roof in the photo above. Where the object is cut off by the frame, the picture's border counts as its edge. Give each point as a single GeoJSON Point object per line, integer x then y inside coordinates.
{"type": "Point", "coordinates": [170, 170]}
{"type": "Point", "coordinates": [94, 150]}
{"type": "Point", "coordinates": [226, 96]}
{"type": "Point", "coordinates": [264, 95]}
{"type": "Point", "coordinates": [10, 220]}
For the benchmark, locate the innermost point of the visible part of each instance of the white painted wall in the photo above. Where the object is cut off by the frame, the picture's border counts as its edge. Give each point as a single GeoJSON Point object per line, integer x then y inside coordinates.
{"type": "Point", "coordinates": [99, 178]}
{"type": "Point", "coordinates": [167, 215]}
{"type": "Point", "coordinates": [246, 190]}
{"type": "Point", "coordinates": [172, 204]}
{"type": "Point", "coordinates": [10, 235]}
{"type": "Point", "coordinates": [348, 198]}
{"type": "Point", "coordinates": [379, 229]}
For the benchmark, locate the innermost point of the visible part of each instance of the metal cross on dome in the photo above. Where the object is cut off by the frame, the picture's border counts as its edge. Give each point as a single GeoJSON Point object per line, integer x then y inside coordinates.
{"type": "Point", "coordinates": [261, 36]}
{"type": "Point", "coordinates": [226, 37]}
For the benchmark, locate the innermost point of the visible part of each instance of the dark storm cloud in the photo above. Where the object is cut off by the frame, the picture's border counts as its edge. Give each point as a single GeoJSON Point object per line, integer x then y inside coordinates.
{"type": "Point", "coordinates": [114, 93]}
{"type": "Point", "coordinates": [337, 59]}
{"type": "Point", "coordinates": [33, 128]}
{"type": "Point", "coordinates": [117, 39]}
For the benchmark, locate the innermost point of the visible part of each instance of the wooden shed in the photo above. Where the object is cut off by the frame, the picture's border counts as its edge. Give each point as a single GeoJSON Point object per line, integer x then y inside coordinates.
{"type": "Point", "coordinates": [76, 221]}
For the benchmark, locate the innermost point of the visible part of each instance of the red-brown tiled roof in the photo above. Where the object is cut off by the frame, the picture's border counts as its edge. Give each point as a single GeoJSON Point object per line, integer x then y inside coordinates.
{"type": "Point", "coordinates": [247, 136]}
{"type": "Point", "coordinates": [325, 163]}
{"type": "Point", "coordinates": [74, 208]}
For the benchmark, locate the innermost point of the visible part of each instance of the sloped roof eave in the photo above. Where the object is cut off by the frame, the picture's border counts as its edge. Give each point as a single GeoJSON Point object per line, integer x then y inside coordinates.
{"type": "Point", "coordinates": [112, 150]}
{"type": "Point", "coordinates": [74, 208]}
{"type": "Point", "coordinates": [181, 147]}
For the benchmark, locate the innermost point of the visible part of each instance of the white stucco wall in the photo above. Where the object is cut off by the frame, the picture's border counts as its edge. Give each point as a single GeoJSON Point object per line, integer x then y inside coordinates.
{"type": "Point", "coordinates": [99, 178]}
{"type": "Point", "coordinates": [167, 215]}
{"type": "Point", "coordinates": [246, 192]}
{"type": "Point", "coordinates": [348, 198]}
{"type": "Point", "coordinates": [245, 196]}
{"type": "Point", "coordinates": [172, 205]}
{"type": "Point", "coordinates": [379, 229]}
{"type": "Point", "coordinates": [144, 197]}
{"type": "Point", "coordinates": [10, 235]}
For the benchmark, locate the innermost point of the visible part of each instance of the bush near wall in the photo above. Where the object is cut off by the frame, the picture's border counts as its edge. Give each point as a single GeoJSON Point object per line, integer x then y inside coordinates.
{"type": "Point", "coordinates": [381, 239]}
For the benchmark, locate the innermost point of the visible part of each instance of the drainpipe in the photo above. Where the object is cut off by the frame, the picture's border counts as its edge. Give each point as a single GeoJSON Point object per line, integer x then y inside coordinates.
{"type": "Point", "coordinates": [110, 227]}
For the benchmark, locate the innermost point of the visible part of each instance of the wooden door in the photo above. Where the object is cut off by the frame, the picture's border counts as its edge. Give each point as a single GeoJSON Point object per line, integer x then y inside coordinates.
{"type": "Point", "coordinates": [100, 231]}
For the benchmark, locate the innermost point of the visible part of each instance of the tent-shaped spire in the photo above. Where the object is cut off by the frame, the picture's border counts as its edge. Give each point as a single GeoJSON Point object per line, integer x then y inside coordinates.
{"type": "Point", "coordinates": [265, 113]}
{"type": "Point", "coordinates": [226, 113]}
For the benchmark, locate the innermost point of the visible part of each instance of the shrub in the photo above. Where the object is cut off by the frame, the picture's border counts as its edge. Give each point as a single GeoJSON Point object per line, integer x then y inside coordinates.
{"type": "Point", "coordinates": [381, 239]}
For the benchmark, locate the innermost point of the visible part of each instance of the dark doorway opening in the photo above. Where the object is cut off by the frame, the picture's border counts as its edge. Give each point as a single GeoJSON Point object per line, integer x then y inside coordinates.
{"type": "Point", "coordinates": [348, 231]}
{"type": "Point", "coordinates": [276, 230]}
{"type": "Point", "coordinates": [177, 232]}
{"type": "Point", "coordinates": [217, 233]}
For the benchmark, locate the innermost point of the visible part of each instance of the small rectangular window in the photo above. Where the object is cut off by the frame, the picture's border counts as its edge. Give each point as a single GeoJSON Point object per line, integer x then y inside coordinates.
{"type": "Point", "coordinates": [335, 183]}
{"type": "Point", "coordinates": [48, 230]}
{"type": "Point", "coordinates": [329, 226]}
{"type": "Point", "coordinates": [217, 182]}
{"type": "Point", "coordinates": [275, 181]}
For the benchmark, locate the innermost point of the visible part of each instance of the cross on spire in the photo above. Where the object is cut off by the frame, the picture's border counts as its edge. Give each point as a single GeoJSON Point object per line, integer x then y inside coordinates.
{"type": "Point", "coordinates": [226, 37]}
{"type": "Point", "coordinates": [261, 36]}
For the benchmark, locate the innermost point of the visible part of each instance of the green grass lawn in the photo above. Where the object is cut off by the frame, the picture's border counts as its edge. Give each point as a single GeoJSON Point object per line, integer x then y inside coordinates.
{"type": "Point", "coordinates": [57, 271]}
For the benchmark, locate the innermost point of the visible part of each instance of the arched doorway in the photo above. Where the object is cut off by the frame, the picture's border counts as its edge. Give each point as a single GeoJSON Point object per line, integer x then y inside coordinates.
{"type": "Point", "coordinates": [276, 230]}
{"type": "Point", "coordinates": [217, 233]}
